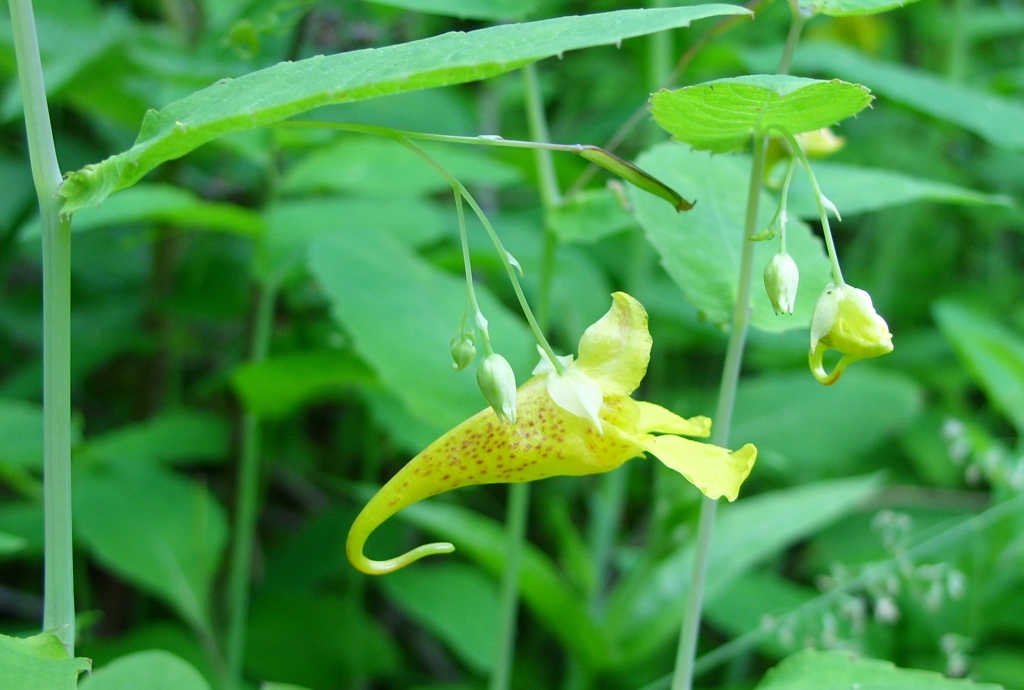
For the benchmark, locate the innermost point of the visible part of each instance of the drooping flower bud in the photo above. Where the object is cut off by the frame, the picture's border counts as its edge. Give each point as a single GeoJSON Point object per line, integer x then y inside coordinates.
{"type": "Point", "coordinates": [819, 143]}
{"type": "Point", "coordinates": [497, 382]}
{"type": "Point", "coordinates": [781, 277]}
{"type": "Point", "coordinates": [845, 320]}
{"type": "Point", "coordinates": [463, 350]}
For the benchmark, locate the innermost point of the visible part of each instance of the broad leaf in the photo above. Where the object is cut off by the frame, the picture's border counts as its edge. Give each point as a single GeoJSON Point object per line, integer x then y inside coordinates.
{"type": "Point", "coordinates": [456, 602]}
{"type": "Point", "coordinates": [290, 88]}
{"type": "Point", "coordinates": [157, 530]}
{"type": "Point", "coordinates": [590, 216]}
{"type": "Point", "coordinates": [180, 436]}
{"type": "Point", "coordinates": [723, 115]}
{"type": "Point", "coordinates": [38, 663]}
{"type": "Point", "coordinates": [995, 119]}
{"type": "Point", "coordinates": [701, 249]}
{"type": "Point", "coordinates": [645, 609]}
{"type": "Point", "coordinates": [21, 428]}
{"type": "Point", "coordinates": [993, 354]}
{"type": "Point", "coordinates": [401, 313]}
{"type": "Point", "coordinates": [814, 670]}
{"type": "Point", "coordinates": [851, 8]}
{"type": "Point", "coordinates": [150, 670]}
{"type": "Point", "coordinates": [856, 190]}
{"type": "Point", "coordinates": [284, 383]}
{"type": "Point", "coordinates": [549, 597]}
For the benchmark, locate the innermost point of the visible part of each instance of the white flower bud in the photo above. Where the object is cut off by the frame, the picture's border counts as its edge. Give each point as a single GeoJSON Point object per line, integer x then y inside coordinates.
{"type": "Point", "coordinates": [497, 382]}
{"type": "Point", "coordinates": [781, 277]}
{"type": "Point", "coordinates": [463, 351]}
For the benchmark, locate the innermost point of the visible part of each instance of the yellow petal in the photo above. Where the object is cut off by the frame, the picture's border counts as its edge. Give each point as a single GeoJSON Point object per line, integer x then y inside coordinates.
{"type": "Point", "coordinates": [545, 441]}
{"type": "Point", "coordinates": [616, 349]}
{"type": "Point", "coordinates": [713, 470]}
{"type": "Point", "coordinates": [655, 418]}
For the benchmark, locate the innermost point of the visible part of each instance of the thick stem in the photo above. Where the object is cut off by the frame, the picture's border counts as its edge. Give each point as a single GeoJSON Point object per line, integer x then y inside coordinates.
{"type": "Point", "coordinates": [246, 500]}
{"type": "Point", "coordinates": [58, 587]}
{"type": "Point", "coordinates": [683, 678]}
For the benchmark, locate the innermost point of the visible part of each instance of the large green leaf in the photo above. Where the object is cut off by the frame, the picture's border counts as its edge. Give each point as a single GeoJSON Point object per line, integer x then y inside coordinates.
{"type": "Point", "coordinates": [181, 436]}
{"type": "Point", "coordinates": [645, 609]}
{"type": "Point", "coordinates": [993, 354]}
{"type": "Point", "coordinates": [21, 428]}
{"type": "Point", "coordinates": [995, 119]}
{"type": "Point", "coordinates": [860, 190]}
{"type": "Point", "coordinates": [38, 663]}
{"type": "Point", "coordinates": [805, 430]}
{"type": "Point", "coordinates": [401, 313]}
{"type": "Point", "coordinates": [280, 385]}
{"type": "Point", "coordinates": [723, 115]}
{"type": "Point", "coordinates": [494, 10]}
{"type": "Point", "coordinates": [469, 622]}
{"type": "Point", "coordinates": [851, 8]}
{"type": "Point", "coordinates": [701, 249]}
{"type": "Point", "coordinates": [151, 670]}
{"type": "Point", "coordinates": [290, 88]}
{"type": "Point", "coordinates": [814, 670]}
{"type": "Point", "coordinates": [157, 530]}
{"type": "Point", "coordinates": [549, 597]}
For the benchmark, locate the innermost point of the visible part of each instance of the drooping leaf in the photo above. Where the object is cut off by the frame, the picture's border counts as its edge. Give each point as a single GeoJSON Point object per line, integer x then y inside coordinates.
{"type": "Point", "coordinates": [995, 119]}
{"type": "Point", "coordinates": [283, 383]}
{"type": "Point", "coordinates": [151, 670]}
{"type": "Point", "coordinates": [159, 531]}
{"type": "Point", "coordinates": [468, 622]}
{"type": "Point", "coordinates": [851, 8]}
{"type": "Point", "coordinates": [701, 249]}
{"type": "Point", "coordinates": [723, 115]}
{"type": "Point", "coordinates": [38, 663]}
{"type": "Point", "coordinates": [992, 354]}
{"type": "Point", "coordinates": [401, 313]}
{"type": "Point", "coordinates": [290, 88]}
{"type": "Point", "coordinates": [645, 609]}
{"type": "Point", "coordinates": [856, 190]}
{"type": "Point", "coordinates": [814, 670]}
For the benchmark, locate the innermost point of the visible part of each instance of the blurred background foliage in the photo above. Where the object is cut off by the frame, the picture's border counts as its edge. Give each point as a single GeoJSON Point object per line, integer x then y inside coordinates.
{"type": "Point", "coordinates": [855, 530]}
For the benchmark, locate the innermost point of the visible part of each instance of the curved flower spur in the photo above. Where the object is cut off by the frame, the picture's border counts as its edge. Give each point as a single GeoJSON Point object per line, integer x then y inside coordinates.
{"type": "Point", "coordinates": [582, 421]}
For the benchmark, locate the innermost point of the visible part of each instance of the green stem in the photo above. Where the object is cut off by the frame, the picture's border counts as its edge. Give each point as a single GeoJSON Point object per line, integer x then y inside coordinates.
{"type": "Point", "coordinates": [683, 678]}
{"type": "Point", "coordinates": [58, 585]}
{"type": "Point", "coordinates": [515, 541]}
{"type": "Point", "coordinates": [246, 500]}
{"type": "Point", "coordinates": [796, 25]}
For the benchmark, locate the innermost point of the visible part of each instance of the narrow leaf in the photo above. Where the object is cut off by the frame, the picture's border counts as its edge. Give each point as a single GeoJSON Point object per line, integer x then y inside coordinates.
{"type": "Point", "coordinates": [851, 8]}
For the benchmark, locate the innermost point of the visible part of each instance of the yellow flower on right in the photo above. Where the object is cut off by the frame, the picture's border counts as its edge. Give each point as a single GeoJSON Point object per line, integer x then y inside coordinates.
{"type": "Point", "coordinates": [845, 320]}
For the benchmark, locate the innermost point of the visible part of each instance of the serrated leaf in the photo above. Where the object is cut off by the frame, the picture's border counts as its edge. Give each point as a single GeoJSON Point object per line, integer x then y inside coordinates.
{"type": "Point", "coordinates": [469, 623]}
{"type": "Point", "coordinates": [814, 670]}
{"type": "Point", "coordinates": [38, 663]}
{"type": "Point", "coordinates": [992, 354]}
{"type": "Point", "coordinates": [645, 609]}
{"type": "Point", "coordinates": [154, 669]}
{"type": "Point", "coordinates": [282, 384]}
{"type": "Point", "coordinates": [290, 88]}
{"type": "Point", "coordinates": [995, 119]}
{"type": "Point", "coordinates": [156, 529]}
{"type": "Point", "coordinates": [700, 249]}
{"type": "Point", "coordinates": [851, 8]}
{"type": "Point", "coordinates": [859, 190]}
{"type": "Point", "coordinates": [723, 115]}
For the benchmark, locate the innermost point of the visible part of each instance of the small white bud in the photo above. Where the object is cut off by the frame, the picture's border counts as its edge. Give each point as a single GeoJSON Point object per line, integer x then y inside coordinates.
{"type": "Point", "coordinates": [781, 278]}
{"type": "Point", "coordinates": [497, 382]}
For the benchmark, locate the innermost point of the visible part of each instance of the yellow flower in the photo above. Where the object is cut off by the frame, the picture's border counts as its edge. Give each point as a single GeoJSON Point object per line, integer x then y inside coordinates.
{"type": "Point", "coordinates": [845, 320]}
{"type": "Point", "coordinates": [582, 421]}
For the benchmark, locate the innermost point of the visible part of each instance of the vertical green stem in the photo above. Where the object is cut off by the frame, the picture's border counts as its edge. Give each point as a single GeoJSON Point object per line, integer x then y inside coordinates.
{"type": "Point", "coordinates": [515, 541]}
{"type": "Point", "coordinates": [683, 678]}
{"type": "Point", "coordinates": [247, 499]}
{"type": "Point", "coordinates": [58, 586]}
